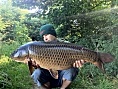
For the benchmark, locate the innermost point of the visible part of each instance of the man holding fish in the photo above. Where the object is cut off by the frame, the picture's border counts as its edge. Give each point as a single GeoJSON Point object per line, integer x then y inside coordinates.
{"type": "Point", "coordinates": [42, 77]}
{"type": "Point", "coordinates": [57, 62]}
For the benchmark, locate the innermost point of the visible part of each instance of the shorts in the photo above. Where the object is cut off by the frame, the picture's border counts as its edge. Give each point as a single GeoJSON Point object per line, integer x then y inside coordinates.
{"type": "Point", "coordinates": [42, 76]}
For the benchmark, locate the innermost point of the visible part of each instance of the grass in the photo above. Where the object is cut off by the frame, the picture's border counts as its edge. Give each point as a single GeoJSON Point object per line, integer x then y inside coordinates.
{"type": "Point", "coordinates": [91, 77]}
{"type": "Point", "coordinates": [14, 75]}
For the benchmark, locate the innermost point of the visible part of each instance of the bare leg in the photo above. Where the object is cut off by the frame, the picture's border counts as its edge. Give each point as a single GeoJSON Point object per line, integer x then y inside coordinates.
{"type": "Point", "coordinates": [65, 84]}
{"type": "Point", "coordinates": [43, 87]}
{"type": "Point", "coordinates": [47, 85]}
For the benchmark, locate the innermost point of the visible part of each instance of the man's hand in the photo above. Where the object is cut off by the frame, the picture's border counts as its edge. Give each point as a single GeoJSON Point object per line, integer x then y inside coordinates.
{"type": "Point", "coordinates": [33, 63]}
{"type": "Point", "coordinates": [78, 63]}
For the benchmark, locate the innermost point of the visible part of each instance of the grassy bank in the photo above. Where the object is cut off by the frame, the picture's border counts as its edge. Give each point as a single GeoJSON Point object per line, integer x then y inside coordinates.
{"type": "Point", "coordinates": [14, 75]}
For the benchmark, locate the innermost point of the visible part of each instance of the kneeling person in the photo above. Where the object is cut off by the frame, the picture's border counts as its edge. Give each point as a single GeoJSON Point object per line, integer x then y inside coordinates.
{"type": "Point", "coordinates": [42, 77]}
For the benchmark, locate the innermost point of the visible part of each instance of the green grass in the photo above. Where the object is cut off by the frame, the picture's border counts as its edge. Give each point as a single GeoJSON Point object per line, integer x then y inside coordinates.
{"type": "Point", "coordinates": [91, 77]}
{"type": "Point", "coordinates": [14, 75]}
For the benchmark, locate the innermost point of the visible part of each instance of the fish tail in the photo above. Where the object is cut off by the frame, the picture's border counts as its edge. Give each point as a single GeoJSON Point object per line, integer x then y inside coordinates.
{"type": "Point", "coordinates": [106, 57]}
{"type": "Point", "coordinates": [102, 59]}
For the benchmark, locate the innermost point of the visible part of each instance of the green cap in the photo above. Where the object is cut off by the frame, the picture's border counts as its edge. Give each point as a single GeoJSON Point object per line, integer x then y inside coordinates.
{"type": "Point", "coordinates": [47, 29]}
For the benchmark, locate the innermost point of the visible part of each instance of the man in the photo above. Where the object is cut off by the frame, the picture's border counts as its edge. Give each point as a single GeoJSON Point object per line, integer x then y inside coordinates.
{"type": "Point", "coordinates": [42, 77]}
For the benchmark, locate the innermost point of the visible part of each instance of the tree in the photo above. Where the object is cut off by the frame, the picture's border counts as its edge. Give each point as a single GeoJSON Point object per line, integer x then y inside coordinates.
{"type": "Point", "coordinates": [12, 19]}
{"type": "Point", "coordinates": [75, 20]}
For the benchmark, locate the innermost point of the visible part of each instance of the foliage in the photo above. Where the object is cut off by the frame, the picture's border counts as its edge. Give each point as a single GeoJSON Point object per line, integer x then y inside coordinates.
{"type": "Point", "coordinates": [90, 79]}
{"type": "Point", "coordinates": [12, 27]}
{"type": "Point", "coordinates": [33, 24]}
{"type": "Point", "coordinates": [75, 20]}
{"type": "Point", "coordinates": [110, 46]}
{"type": "Point", "coordinates": [2, 25]}
{"type": "Point", "coordinates": [7, 47]}
{"type": "Point", "coordinates": [13, 75]}
{"type": "Point", "coordinates": [92, 24]}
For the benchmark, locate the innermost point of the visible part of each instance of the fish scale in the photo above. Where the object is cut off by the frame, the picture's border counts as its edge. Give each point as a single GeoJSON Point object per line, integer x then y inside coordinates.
{"type": "Point", "coordinates": [59, 55]}
{"type": "Point", "coordinates": [61, 60]}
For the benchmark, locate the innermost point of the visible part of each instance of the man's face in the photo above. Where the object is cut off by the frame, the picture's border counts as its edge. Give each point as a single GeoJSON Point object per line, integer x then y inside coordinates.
{"type": "Point", "coordinates": [48, 37]}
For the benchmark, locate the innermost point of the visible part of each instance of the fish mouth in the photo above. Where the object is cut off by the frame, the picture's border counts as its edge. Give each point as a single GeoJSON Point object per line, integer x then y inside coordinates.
{"type": "Point", "coordinates": [17, 60]}
{"type": "Point", "coordinates": [12, 56]}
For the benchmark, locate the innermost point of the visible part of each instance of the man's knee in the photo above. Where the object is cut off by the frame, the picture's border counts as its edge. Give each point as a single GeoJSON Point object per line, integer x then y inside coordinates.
{"type": "Point", "coordinates": [36, 73]}
{"type": "Point", "coordinates": [70, 74]}
{"type": "Point", "coordinates": [35, 76]}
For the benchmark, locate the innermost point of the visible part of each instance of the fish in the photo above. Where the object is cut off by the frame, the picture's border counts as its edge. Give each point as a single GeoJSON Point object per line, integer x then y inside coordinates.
{"type": "Point", "coordinates": [55, 56]}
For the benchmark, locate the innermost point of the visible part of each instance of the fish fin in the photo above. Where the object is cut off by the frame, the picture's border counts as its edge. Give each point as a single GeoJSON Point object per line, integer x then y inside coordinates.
{"type": "Point", "coordinates": [54, 73]}
{"type": "Point", "coordinates": [100, 65]}
{"type": "Point", "coordinates": [31, 69]}
{"type": "Point", "coordinates": [106, 57]}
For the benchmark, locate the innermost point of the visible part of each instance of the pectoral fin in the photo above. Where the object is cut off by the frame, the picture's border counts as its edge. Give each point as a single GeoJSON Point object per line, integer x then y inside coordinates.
{"type": "Point", "coordinates": [31, 69]}
{"type": "Point", "coordinates": [54, 73]}
{"type": "Point", "coordinates": [100, 65]}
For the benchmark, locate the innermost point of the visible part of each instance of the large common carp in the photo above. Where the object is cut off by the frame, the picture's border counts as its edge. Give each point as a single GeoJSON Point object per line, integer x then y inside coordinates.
{"type": "Point", "coordinates": [59, 55]}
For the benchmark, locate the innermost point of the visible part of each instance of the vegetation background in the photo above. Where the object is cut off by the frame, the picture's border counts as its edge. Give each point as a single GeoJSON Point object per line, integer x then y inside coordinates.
{"type": "Point", "coordinates": [90, 23]}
